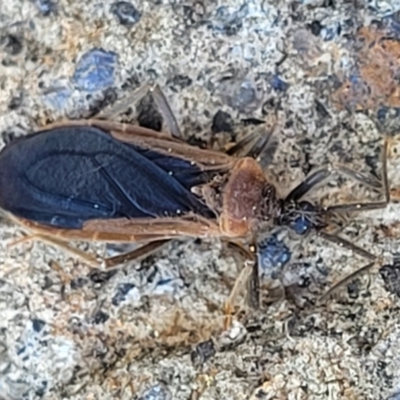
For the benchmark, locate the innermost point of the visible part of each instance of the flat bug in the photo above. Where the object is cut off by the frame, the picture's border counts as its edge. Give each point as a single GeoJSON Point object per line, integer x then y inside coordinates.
{"type": "Point", "coordinates": [98, 180]}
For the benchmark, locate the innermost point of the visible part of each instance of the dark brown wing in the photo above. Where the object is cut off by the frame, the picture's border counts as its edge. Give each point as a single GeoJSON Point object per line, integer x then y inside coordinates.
{"type": "Point", "coordinates": [68, 175]}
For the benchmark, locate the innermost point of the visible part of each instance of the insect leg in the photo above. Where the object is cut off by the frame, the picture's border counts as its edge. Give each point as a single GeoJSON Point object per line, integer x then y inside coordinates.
{"type": "Point", "coordinates": [346, 243]}
{"type": "Point", "coordinates": [369, 182]}
{"type": "Point", "coordinates": [166, 111]}
{"type": "Point", "coordinates": [364, 253]}
{"type": "Point", "coordinates": [253, 290]}
{"type": "Point", "coordinates": [123, 104]}
{"type": "Point", "coordinates": [310, 183]}
{"type": "Point", "coordinates": [136, 254]}
{"type": "Point", "coordinates": [160, 100]}
{"type": "Point", "coordinates": [89, 259]}
{"type": "Point", "coordinates": [319, 176]}
{"type": "Point", "coordinates": [249, 277]}
{"type": "Point", "coordinates": [346, 280]}
{"type": "Point", "coordinates": [260, 147]}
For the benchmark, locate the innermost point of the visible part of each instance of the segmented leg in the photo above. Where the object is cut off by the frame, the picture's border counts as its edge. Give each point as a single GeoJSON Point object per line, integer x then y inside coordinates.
{"type": "Point", "coordinates": [89, 259]}
{"type": "Point", "coordinates": [165, 109]}
{"type": "Point", "coordinates": [240, 283]}
{"type": "Point", "coordinates": [260, 147]}
{"type": "Point", "coordinates": [346, 243]}
{"type": "Point", "coordinates": [136, 254]}
{"type": "Point", "coordinates": [318, 177]}
{"type": "Point", "coordinates": [347, 279]}
{"type": "Point", "coordinates": [160, 100]}
{"type": "Point", "coordinates": [384, 186]}
{"type": "Point", "coordinates": [248, 278]}
{"type": "Point", "coordinates": [122, 105]}
{"type": "Point", "coordinates": [359, 207]}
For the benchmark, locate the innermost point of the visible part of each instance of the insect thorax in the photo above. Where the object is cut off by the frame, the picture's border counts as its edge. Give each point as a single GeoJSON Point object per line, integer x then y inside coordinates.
{"type": "Point", "coordinates": [248, 199]}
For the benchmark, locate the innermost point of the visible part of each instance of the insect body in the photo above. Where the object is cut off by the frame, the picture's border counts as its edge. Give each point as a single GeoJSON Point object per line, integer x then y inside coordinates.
{"type": "Point", "coordinates": [107, 181]}
{"type": "Point", "coordinates": [78, 180]}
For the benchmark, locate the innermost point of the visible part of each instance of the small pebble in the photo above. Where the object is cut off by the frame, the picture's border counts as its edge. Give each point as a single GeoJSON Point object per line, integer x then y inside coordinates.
{"type": "Point", "coordinates": [15, 102]}
{"type": "Point", "coordinates": [95, 70]}
{"type": "Point", "coordinates": [181, 81]}
{"type": "Point", "coordinates": [46, 7]}
{"type": "Point", "coordinates": [126, 13]}
{"type": "Point", "coordinates": [273, 254]}
{"type": "Point", "coordinates": [240, 95]}
{"type": "Point", "coordinates": [122, 291]}
{"type": "Point", "coordinates": [222, 122]}
{"type": "Point", "coordinates": [203, 352]}
{"type": "Point", "coordinates": [100, 317]}
{"type": "Point", "coordinates": [38, 324]}
{"type": "Point", "coordinates": [230, 23]}
{"type": "Point", "coordinates": [157, 392]}
{"type": "Point", "coordinates": [278, 84]}
{"type": "Point", "coordinates": [315, 28]}
{"type": "Point", "coordinates": [391, 276]}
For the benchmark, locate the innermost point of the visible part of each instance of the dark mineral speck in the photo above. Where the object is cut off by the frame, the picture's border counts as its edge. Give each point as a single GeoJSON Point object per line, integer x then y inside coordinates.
{"type": "Point", "coordinates": [15, 102]}
{"type": "Point", "coordinates": [38, 324]}
{"type": "Point", "coordinates": [382, 113]}
{"type": "Point", "coordinates": [46, 7]}
{"type": "Point", "coordinates": [41, 390]}
{"type": "Point", "coordinates": [252, 121]}
{"type": "Point", "coordinates": [47, 283]}
{"type": "Point", "coordinates": [353, 289]}
{"type": "Point", "coordinates": [100, 277]}
{"type": "Point", "coordinates": [321, 110]}
{"type": "Point", "coordinates": [95, 70]}
{"type": "Point", "coordinates": [222, 122]}
{"type": "Point", "coordinates": [78, 283]}
{"type": "Point", "coordinates": [126, 13]}
{"type": "Point", "coordinates": [391, 276]}
{"type": "Point", "coordinates": [181, 81]}
{"type": "Point", "coordinates": [315, 28]}
{"type": "Point", "coordinates": [331, 32]}
{"type": "Point", "coordinates": [11, 44]}
{"type": "Point", "coordinates": [203, 352]}
{"type": "Point", "coordinates": [157, 392]}
{"type": "Point", "coordinates": [100, 317]}
{"type": "Point", "coordinates": [194, 13]}
{"type": "Point", "coordinates": [122, 291]}
{"type": "Point", "coordinates": [229, 22]}
{"type": "Point", "coordinates": [268, 106]}
{"type": "Point", "coordinates": [278, 84]}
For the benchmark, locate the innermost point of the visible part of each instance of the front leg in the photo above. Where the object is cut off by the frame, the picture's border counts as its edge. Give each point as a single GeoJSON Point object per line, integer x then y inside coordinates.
{"type": "Point", "coordinates": [248, 279]}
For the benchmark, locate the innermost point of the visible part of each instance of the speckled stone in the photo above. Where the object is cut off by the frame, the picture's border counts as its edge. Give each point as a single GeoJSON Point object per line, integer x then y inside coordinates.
{"type": "Point", "coordinates": [67, 331]}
